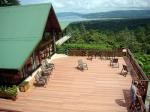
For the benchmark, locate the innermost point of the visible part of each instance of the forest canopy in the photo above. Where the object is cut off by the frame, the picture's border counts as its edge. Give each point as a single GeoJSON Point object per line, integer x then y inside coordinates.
{"type": "Point", "coordinates": [132, 34]}
{"type": "Point", "coordinates": [9, 2]}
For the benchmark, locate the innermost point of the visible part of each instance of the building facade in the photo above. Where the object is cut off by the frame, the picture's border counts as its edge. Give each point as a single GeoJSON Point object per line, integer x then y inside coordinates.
{"type": "Point", "coordinates": [28, 35]}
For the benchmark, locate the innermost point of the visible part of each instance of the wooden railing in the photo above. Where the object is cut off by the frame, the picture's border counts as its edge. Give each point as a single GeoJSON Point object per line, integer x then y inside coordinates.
{"type": "Point", "coordinates": [138, 106]}
{"type": "Point", "coordinates": [88, 52]}
{"type": "Point", "coordinates": [140, 74]}
{"type": "Point", "coordinates": [142, 79]}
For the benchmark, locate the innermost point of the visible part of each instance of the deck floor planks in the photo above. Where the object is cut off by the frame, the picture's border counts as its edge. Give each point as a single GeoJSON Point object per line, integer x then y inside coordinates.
{"type": "Point", "coordinates": [98, 89]}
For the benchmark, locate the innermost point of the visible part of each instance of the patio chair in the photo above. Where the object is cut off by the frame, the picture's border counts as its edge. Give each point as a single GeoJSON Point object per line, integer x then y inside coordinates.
{"type": "Point", "coordinates": [46, 70]}
{"type": "Point", "coordinates": [124, 70]}
{"type": "Point", "coordinates": [114, 62]}
{"type": "Point", "coordinates": [42, 75]}
{"type": "Point", "coordinates": [82, 65]}
{"type": "Point", "coordinates": [50, 64]}
{"type": "Point", "coordinates": [40, 80]}
{"type": "Point", "coordinates": [47, 65]}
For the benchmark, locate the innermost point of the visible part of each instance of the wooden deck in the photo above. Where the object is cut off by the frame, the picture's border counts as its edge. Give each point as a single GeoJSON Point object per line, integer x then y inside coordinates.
{"type": "Point", "coordinates": [99, 89]}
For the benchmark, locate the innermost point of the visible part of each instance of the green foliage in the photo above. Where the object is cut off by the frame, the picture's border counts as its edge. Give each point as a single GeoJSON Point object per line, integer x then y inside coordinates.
{"type": "Point", "coordinates": [9, 2]}
{"type": "Point", "coordinates": [144, 62]}
{"type": "Point", "coordinates": [113, 25]}
{"type": "Point", "coordinates": [147, 69]}
{"type": "Point", "coordinates": [10, 91]}
{"type": "Point", "coordinates": [144, 58]}
{"type": "Point", "coordinates": [122, 39]}
{"type": "Point", "coordinates": [133, 34]}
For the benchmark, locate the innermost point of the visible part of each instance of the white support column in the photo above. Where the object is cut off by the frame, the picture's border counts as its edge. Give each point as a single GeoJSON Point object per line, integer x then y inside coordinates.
{"type": "Point", "coordinates": [147, 100]}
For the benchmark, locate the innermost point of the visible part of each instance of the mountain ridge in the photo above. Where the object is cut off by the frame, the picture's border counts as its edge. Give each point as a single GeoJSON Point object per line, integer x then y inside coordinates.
{"type": "Point", "coordinates": [110, 14]}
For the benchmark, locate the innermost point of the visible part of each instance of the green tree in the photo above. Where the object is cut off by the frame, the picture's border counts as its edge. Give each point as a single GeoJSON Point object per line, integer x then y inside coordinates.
{"type": "Point", "coordinates": [9, 2]}
{"type": "Point", "coordinates": [140, 34]}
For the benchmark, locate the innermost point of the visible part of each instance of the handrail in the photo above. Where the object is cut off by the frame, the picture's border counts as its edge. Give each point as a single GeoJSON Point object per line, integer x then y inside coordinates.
{"type": "Point", "coordinates": [139, 71]}
{"type": "Point", "coordinates": [137, 105]}
{"type": "Point", "coordinates": [140, 75]}
{"type": "Point", "coordinates": [145, 80]}
{"type": "Point", "coordinates": [85, 52]}
{"type": "Point", "coordinates": [141, 104]}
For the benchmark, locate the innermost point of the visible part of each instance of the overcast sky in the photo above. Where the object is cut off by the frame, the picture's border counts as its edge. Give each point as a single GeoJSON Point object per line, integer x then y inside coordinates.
{"type": "Point", "coordinates": [92, 5]}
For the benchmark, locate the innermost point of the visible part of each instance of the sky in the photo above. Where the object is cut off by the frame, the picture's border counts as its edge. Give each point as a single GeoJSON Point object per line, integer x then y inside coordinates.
{"type": "Point", "coordinates": [88, 6]}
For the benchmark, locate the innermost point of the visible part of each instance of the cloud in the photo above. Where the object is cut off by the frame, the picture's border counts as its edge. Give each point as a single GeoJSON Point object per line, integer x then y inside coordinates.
{"type": "Point", "coordinates": [97, 5]}
{"type": "Point", "coordinates": [34, 1]}
{"type": "Point", "coordinates": [131, 3]}
{"type": "Point", "coordinates": [58, 5]}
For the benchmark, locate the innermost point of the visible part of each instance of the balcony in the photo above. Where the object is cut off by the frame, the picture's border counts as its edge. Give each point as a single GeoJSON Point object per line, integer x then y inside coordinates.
{"type": "Point", "coordinates": [101, 88]}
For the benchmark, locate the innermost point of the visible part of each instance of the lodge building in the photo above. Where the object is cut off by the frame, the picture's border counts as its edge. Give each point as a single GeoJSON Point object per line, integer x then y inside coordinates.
{"type": "Point", "coordinates": [27, 34]}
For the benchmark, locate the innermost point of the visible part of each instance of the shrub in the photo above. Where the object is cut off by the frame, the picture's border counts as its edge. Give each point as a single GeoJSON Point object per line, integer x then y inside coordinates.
{"type": "Point", "coordinates": [144, 62]}
{"type": "Point", "coordinates": [12, 91]}
{"type": "Point", "coordinates": [146, 69]}
{"type": "Point", "coordinates": [8, 92]}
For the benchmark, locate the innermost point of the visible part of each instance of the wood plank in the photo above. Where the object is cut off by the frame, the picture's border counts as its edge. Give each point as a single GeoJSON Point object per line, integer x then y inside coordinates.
{"type": "Point", "coordinates": [99, 89]}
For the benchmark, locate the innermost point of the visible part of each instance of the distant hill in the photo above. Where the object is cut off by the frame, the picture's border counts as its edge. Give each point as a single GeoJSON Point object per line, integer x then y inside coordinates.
{"type": "Point", "coordinates": [62, 14]}
{"type": "Point", "coordinates": [112, 25]}
{"type": "Point", "coordinates": [72, 16]}
{"type": "Point", "coordinates": [120, 14]}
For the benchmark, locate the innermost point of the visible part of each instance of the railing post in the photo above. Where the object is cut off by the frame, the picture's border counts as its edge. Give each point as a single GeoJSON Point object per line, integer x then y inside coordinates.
{"type": "Point", "coordinates": [147, 99]}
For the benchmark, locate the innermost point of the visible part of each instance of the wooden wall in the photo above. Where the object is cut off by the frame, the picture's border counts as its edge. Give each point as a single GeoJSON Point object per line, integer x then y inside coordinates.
{"type": "Point", "coordinates": [10, 77]}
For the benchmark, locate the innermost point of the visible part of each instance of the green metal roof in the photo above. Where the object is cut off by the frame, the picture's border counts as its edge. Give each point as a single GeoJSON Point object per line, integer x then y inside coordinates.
{"type": "Point", "coordinates": [21, 28]}
{"type": "Point", "coordinates": [63, 24]}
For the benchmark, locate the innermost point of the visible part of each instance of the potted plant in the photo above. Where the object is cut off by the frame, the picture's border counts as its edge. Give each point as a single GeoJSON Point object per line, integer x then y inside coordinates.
{"type": "Point", "coordinates": [24, 86]}
{"type": "Point", "coordinates": [8, 92]}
